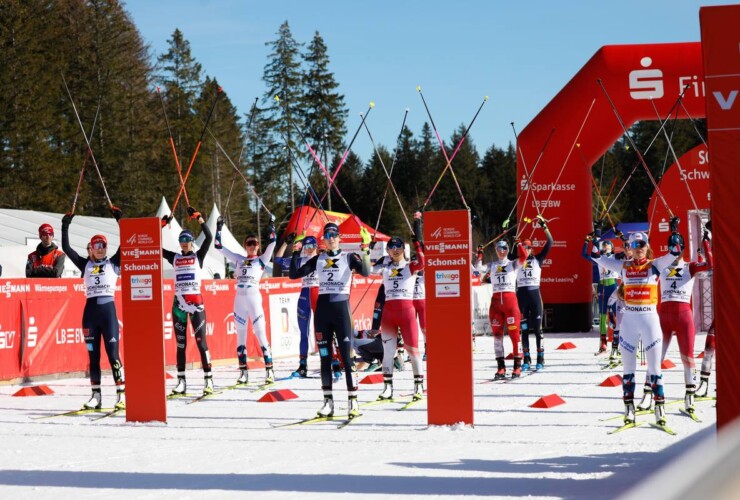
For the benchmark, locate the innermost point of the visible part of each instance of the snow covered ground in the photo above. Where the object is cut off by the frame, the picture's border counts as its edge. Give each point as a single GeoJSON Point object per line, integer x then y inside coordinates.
{"type": "Point", "coordinates": [225, 447]}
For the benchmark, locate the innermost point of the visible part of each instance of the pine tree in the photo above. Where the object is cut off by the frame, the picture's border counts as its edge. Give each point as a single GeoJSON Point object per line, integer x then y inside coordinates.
{"type": "Point", "coordinates": [283, 78]}
{"type": "Point", "coordinates": [323, 111]}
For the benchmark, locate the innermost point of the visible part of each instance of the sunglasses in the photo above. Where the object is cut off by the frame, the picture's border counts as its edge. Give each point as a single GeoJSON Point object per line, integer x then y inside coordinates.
{"type": "Point", "coordinates": [638, 244]}
{"type": "Point", "coordinates": [499, 249]}
{"type": "Point", "coordinates": [527, 247]}
{"type": "Point", "coordinates": [184, 239]}
{"type": "Point", "coordinates": [251, 243]}
{"type": "Point", "coordinates": [98, 246]}
{"type": "Point", "coordinates": [394, 246]}
{"type": "Point", "coordinates": [310, 246]}
{"type": "Point", "coordinates": [331, 234]}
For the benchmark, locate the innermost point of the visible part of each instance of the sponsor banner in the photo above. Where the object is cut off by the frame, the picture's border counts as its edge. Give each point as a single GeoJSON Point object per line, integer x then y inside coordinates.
{"type": "Point", "coordinates": [449, 308]}
{"type": "Point", "coordinates": [584, 128]}
{"type": "Point", "coordinates": [285, 335]}
{"type": "Point", "coordinates": [720, 40]}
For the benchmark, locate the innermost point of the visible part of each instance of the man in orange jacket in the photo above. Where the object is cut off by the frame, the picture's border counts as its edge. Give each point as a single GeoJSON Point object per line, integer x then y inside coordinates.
{"type": "Point", "coordinates": [47, 261]}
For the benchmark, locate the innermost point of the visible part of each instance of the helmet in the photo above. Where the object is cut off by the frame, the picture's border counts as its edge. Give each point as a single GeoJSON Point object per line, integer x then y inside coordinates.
{"type": "Point", "coordinates": [638, 239]}
{"type": "Point", "coordinates": [603, 247]}
{"type": "Point", "coordinates": [97, 240]}
{"type": "Point", "coordinates": [527, 243]}
{"type": "Point", "coordinates": [46, 230]}
{"type": "Point", "coordinates": [676, 244]}
{"type": "Point", "coordinates": [331, 228]}
{"type": "Point", "coordinates": [502, 244]}
{"type": "Point", "coordinates": [185, 236]}
{"type": "Point", "coordinates": [394, 242]}
{"type": "Point", "coordinates": [309, 241]}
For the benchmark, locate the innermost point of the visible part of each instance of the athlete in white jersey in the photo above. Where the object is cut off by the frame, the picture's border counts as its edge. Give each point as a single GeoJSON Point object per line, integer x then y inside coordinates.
{"type": "Point", "coordinates": [248, 299]}
{"type": "Point", "coordinates": [640, 319]}
{"type": "Point", "coordinates": [99, 320]}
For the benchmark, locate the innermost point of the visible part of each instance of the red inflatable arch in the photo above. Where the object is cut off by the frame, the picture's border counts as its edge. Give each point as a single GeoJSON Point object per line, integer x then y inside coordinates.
{"type": "Point", "coordinates": [561, 188]}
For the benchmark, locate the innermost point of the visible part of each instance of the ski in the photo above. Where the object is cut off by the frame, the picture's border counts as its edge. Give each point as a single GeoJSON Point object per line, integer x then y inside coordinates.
{"type": "Point", "coordinates": [631, 425]}
{"type": "Point", "coordinates": [410, 404]}
{"type": "Point", "coordinates": [82, 411]}
{"type": "Point", "coordinates": [205, 396]}
{"type": "Point", "coordinates": [114, 411]}
{"type": "Point", "coordinates": [180, 396]}
{"type": "Point", "coordinates": [663, 428]}
{"type": "Point", "coordinates": [621, 415]}
{"type": "Point", "coordinates": [611, 365]}
{"type": "Point", "coordinates": [690, 414]}
{"type": "Point", "coordinates": [705, 398]}
{"type": "Point", "coordinates": [378, 402]}
{"type": "Point", "coordinates": [348, 421]}
{"type": "Point", "coordinates": [312, 420]}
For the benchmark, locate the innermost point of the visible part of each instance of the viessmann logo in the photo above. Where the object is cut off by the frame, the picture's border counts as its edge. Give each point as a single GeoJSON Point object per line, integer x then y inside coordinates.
{"type": "Point", "coordinates": [137, 253]}
{"type": "Point", "coordinates": [443, 247]}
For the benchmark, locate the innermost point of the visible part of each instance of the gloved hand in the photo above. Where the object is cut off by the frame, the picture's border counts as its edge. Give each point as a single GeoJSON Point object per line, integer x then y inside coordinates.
{"type": "Point", "coordinates": [619, 234]}
{"type": "Point", "coordinates": [117, 212]}
{"type": "Point", "coordinates": [194, 214]}
{"type": "Point", "coordinates": [673, 224]}
{"type": "Point", "coordinates": [290, 238]}
{"type": "Point", "coordinates": [67, 219]}
{"type": "Point", "coordinates": [271, 230]}
{"type": "Point", "coordinates": [373, 242]}
{"type": "Point", "coordinates": [298, 242]}
{"type": "Point", "coordinates": [708, 226]}
{"type": "Point", "coordinates": [505, 225]}
{"type": "Point", "coordinates": [166, 219]}
{"type": "Point", "coordinates": [541, 221]}
{"type": "Point", "coordinates": [219, 223]}
{"type": "Point", "coordinates": [706, 236]}
{"type": "Point", "coordinates": [417, 215]}
{"type": "Point", "coordinates": [366, 236]}
{"type": "Point", "coordinates": [272, 219]}
{"type": "Point", "coordinates": [597, 229]}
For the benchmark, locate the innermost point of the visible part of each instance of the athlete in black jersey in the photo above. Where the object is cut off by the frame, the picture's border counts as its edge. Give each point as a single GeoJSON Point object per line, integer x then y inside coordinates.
{"type": "Point", "coordinates": [529, 297]}
{"type": "Point", "coordinates": [333, 318]}
{"type": "Point", "coordinates": [99, 319]}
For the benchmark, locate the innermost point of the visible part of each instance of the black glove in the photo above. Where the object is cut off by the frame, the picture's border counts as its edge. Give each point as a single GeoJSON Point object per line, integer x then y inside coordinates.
{"type": "Point", "coordinates": [597, 229]}
{"type": "Point", "coordinates": [706, 236]}
{"type": "Point", "coordinates": [117, 212]}
{"type": "Point", "coordinates": [674, 224]}
{"type": "Point", "coordinates": [289, 238]}
{"type": "Point", "coordinates": [67, 219]}
{"type": "Point", "coordinates": [708, 226]}
{"type": "Point", "coordinates": [219, 223]}
{"type": "Point", "coordinates": [194, 214]}
{"type": "Point", "coordinates": [372, 243]}
{"type": "Point", "coordinates": [166, 219]}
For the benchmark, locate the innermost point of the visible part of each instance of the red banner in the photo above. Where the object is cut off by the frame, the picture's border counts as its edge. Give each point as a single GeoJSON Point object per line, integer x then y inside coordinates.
{"type": "Point", "coordinates": [583, 127]}
{"type": "Point", "coordinates": [447, 278]}
{"type": "Point", "coordinates": [41, 323]}
{"type": "Point", "coordinates": [720, 43]}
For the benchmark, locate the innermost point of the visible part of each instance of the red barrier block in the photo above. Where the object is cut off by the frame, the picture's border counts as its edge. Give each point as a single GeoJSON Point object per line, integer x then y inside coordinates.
{"type": "Point", "coordinates": [168, 375]}
{"type": "Point", "coordinates": [36, 390]}
{"type": "Point", "coordinates": [613, 381]}
{"type": "Point", "coordinates": [548, 401]}
{"type": "Point", "coordinates": [510, 355]}
{"type": "Point", "coordinates": [565, 346]}
{"type": "Point", "coordinates": [700, 355]}
{"type": "Point", "coordinates": [374, 378]}
{"type": "Point", "coordinates": [667, 364]}
{"type": "Point", "coordinates": [279, 395]}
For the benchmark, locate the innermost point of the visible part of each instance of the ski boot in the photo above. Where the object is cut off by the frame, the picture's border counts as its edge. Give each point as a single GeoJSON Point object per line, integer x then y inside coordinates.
{"type": "Point", "coordinates": [418, 388]}
{"type": "Point", "coordinates": [602, 346]}
{"type": "Point", "coordinates": [540, 359]}
{"type": "Point", "coordinates": [703, 385]}
{"type": "Point", "coordinates": [517, 371]}
{"type": "Point", "coordinates": [399, 360]}
{"type": "Point", "coordinates": [629, 412]}
{"type": "Point", "coordinates": [688, 399]}
{"type": "Point", "coordinates": [372, 367]}
{"type": "Point", "coordinates": [208, 383]}
{"type": "Point", "coordinates": [95, 401]}
{"type": "Point", "coordinates": [354, 408]}
{"type": "Point", "coordinates": [660, 413]}
{"type": "Point", "coordinates": [121, 401]}
{"type": "Point", "coordinates": [181, 386]}
{"type": "Point", "coordinates": [243, 377]}
{"type": "Point", "coordinates": [269, 375]}
{"type": "Point", "coordinates": [328, 409]}
{"type": "Point", "coordinates": [527, 361]}
{"type": "Point", "coordinates": [302, 370]}
{"type": "Point", "coordinates": [387, 393]}
{"type": "Point", "coordinates": [501, 371]}
{"type": "Point", "coordinates": [647, 400]}
{"type": "Point", "coordinates": [615, 355]}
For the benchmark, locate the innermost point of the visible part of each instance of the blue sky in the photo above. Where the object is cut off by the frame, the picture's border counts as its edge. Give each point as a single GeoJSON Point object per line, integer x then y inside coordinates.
{"type": "Point", "coordinates": [520, 54]}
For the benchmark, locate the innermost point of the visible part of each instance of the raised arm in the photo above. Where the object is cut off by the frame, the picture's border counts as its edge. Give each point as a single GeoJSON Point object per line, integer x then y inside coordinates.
{"type": "Point", "coordinates": [78, 261]}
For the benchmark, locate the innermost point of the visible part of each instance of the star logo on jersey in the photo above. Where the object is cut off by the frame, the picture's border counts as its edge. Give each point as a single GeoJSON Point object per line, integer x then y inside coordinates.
{"type": "Point", "coordinates": [675, 272]}
{"type": "Point", "coordinates": [331, 264]}
{"type": "Point", "coordinates": [247, 263]}
{"type": "Point", "coordinates": [500, 269]}
{"type": "Point", "coordinates": [97, 270]}
{"type": "Point", "coordinates": [527, 265]}
{"type": "Point", "coordinates": [395, 273]}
